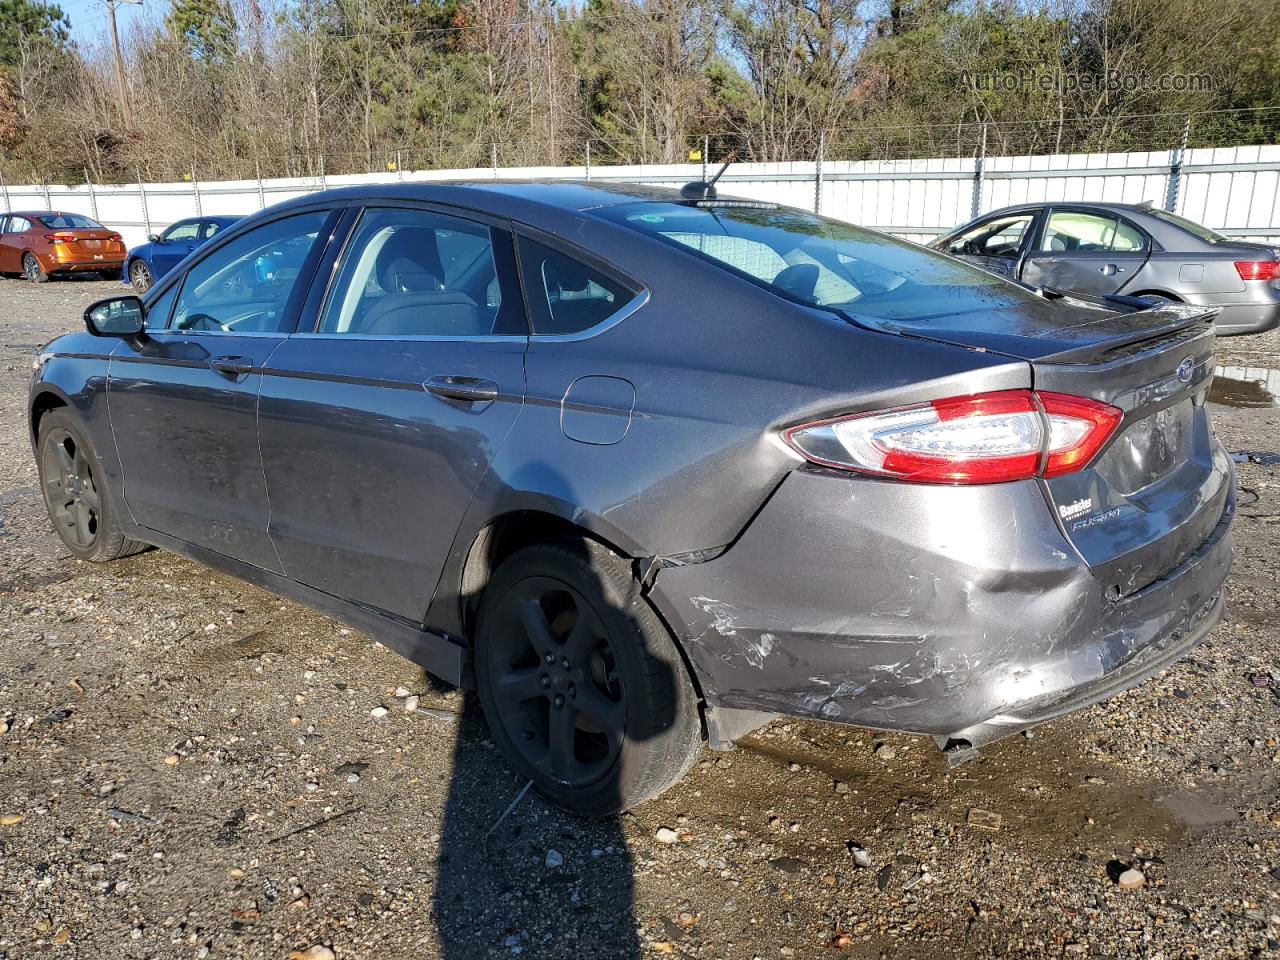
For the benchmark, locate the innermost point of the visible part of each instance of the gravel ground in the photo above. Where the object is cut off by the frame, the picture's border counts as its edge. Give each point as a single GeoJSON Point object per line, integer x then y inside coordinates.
{"type": "Point", "coordinates": [189, 767]}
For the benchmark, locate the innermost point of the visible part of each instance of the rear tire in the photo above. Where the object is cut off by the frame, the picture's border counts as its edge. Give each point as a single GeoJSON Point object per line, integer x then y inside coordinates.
{"type": "Point", "coordinates": [582, 686]}
{"type": "Point", "coordinates": [81, 504]}
{"type": "Point", "coordinates": [32, 270]}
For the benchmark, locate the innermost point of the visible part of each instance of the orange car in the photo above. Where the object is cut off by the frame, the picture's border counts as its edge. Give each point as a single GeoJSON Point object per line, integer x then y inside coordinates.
{"type": "Point", "coordinates": [42, 243]}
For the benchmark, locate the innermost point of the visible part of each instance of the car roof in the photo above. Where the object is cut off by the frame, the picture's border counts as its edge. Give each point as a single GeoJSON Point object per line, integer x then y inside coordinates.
{"type": "Point", "coordinates": [497, 196]}
{"type": "Point", "coordinates": [41, 213]}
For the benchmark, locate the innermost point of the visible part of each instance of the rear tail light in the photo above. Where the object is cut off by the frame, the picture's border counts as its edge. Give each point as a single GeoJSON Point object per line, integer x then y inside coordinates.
{"type": "Point", "coordinates": [60, 237]}
{"type": "Point", "coordinates": [1258, 269]}
{"type": "Point", "coordinates": [116, 238]}
{"type": "Point", "coordinates": [988, 438]}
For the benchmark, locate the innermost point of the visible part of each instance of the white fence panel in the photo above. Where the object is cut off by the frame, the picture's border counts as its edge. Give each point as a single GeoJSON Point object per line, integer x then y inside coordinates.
{"type": "Point", "coordinates": [1233, 190]}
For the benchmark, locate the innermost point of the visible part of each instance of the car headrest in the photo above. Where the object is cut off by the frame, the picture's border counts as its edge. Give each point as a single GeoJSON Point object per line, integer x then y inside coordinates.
{"type": "Point", "coordinates": [565, 274]}
{"type": "Point", "coordinates": [799, 280]}
{"type": "Point", "coordinates": [409, 262]}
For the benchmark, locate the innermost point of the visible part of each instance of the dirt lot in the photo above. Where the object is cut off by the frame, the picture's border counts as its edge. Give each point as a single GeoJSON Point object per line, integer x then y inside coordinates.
{"type": "Point", "coordinates": [189, 767]}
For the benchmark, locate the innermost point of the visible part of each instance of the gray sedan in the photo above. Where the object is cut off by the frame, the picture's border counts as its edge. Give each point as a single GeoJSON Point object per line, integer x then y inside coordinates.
{"type": "Point", "coordinates": [645, 468]}
{"type": "Point", "coordinates": [1134, 250]}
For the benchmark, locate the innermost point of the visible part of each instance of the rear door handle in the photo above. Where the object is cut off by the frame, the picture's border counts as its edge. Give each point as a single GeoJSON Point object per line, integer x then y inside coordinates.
{"type": "Point", "coordinates": [1110, 270]}
{"type": "Point", "coordinates": [467, 389]}
{"type": "Point", "coordinates": [232, 366]}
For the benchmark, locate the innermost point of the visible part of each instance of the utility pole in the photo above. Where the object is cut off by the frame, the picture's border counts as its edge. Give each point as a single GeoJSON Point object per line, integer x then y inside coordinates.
{"type": "Point", "coordinates": [121, 83]}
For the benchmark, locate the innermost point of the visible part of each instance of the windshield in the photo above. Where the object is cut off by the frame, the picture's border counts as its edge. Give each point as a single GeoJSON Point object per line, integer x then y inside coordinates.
{"type": "Point", "coordinates": [1193, 228]}
{"type": "Point", "coordinates": [824, 262]}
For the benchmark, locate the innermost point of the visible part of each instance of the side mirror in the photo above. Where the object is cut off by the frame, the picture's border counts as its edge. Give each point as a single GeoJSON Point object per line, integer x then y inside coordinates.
{"type": "Point", "coordinates": [153, 238]}
{"type": "Point", "coordinates": [116, 317]}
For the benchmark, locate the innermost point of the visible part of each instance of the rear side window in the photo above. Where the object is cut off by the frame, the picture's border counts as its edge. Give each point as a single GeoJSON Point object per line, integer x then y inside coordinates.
{"type": "Point", "coordinates": [565, 295]}
{"type": "Point", "coordinates": [1069, 231]}
{"type": "Point", "coordinates": [417, 273]}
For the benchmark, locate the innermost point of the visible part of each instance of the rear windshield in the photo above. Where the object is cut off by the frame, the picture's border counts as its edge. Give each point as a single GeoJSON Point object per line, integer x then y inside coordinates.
{"type": "Point", "coordinates": [69, 221]}
{"type": "Point", "coordinates": [824, 262]}
{"type": "Point", "coordinates": [1193, 228]}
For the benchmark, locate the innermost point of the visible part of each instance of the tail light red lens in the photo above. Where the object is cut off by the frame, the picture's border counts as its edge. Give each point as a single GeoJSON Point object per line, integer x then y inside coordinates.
{"type": "Point", "coordinates": [988, 438]}
{"type": "Point", "coordinates": [1258, 269]}
{"type": "Point", "coordinates": [60, 237]}
{"type": "Point", "coordinates": [116, 238]}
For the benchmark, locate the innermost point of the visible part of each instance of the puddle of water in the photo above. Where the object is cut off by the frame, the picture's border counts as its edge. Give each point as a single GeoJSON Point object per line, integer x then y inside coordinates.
{"type": "Point", "coordinates": [1245, 386]}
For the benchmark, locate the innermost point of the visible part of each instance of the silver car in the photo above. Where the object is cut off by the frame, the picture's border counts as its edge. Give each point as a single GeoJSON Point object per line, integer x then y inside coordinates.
{"type": "Point", "coordinates": [1130, 249]}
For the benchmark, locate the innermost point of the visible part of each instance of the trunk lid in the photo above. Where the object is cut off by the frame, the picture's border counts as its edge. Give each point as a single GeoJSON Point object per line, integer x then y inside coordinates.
{"type": "Point", "coordinates": [1159, 487]}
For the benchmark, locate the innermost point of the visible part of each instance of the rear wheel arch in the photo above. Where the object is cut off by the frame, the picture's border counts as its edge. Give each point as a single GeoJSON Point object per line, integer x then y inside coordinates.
{"type": "Point", "coordinates": [1155, 293]}
{"type": "Point", "coordinates": [510, 532]}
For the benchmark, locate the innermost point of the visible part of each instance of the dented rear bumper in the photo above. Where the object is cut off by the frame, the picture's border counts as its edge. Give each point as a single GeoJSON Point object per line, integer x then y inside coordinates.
{"type": "Point", "coordinates": [963, 614]}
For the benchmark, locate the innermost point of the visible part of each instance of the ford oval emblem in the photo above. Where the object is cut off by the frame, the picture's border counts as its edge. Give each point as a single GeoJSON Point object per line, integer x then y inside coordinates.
{"type": "Point", "coordinates": [1186, 369]}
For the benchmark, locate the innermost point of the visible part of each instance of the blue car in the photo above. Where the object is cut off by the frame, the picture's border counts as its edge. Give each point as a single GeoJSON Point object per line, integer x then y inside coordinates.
{"type": "Point", "coordinates": [160, 254]}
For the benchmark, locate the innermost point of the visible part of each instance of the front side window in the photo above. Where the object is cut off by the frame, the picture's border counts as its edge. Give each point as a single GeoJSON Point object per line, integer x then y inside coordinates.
{"type": "Point", "coordinates": [181, 231]}
{"type": "Point", "coordinates": [823, 262]}
{"type": "Point", "coordinates": [1001, 237]}
{"type": "Point", "coordinates": [1069, 231]}
{"type": "Point", "coordinates": [244, 286]}
{"type": "Point", "coordinates": [70, 221]}
{"type": "Point", "coordinates": [415, 273]}
{"type": "Point", "coordinates": [565, 295]}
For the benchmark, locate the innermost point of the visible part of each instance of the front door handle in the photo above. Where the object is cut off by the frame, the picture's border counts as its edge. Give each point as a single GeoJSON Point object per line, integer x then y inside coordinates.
{"type": "Point", "coordinates": [233, 367]}
{"type": "Point", "coordinates": [466, 389]}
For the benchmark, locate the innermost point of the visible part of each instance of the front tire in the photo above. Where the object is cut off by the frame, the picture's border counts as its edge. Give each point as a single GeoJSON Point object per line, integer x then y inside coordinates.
{"type": "Point", "coordinates": [76, 494]}
{"type": "Point", "coordinates": [581, 684]}
{"type": "Point", "coordinates": [32, 270]}
{"type": "Point", "coordinates": [140, 276]}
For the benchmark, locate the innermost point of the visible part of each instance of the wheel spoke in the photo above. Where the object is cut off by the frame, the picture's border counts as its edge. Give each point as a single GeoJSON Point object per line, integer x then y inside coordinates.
{"type": "Point", "coordinates": [536, 627]}
{"type": "Point", "coordinates": [562, 732]}
{"type": "Point", "coordinates": [583, 636]}
{"type": "Point", "coordinates": [90, 496]}
{"type": "Point", "coordinates": [84, 536]}
{"type": "Point", "coordinates": [520, 686]}
{"type": "Point", "coordinates": [608, 714]}
{"type": "Point", "coordinates": [66, 466]}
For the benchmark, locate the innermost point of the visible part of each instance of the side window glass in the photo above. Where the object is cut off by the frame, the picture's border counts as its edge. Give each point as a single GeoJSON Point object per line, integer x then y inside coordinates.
{"type": "Point", "coordinates": [1128, 239]}
{"type": "Point", "coordinates": [244, 287]}
{"type": "Point", "coordinates": [414, 273]}
{"type": "Point", "coordinates": [210, 228]}
{"type": "Point", "coordinates": [159, 308]}
{"type": "Point", "coordinates": [18, 225]}
{"type": "Point", "coordinates": [1071, 232]}
{"type": "Point", "coordinates": [181, 231]}
{"type": "Point", "coordinates": [565, 295]}
{"type": "Point", "coordinates": [994, 238]}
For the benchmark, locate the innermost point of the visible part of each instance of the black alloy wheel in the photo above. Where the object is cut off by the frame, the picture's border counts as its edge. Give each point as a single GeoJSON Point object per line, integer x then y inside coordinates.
{"type": "Point", "coordinates": [70, 490]}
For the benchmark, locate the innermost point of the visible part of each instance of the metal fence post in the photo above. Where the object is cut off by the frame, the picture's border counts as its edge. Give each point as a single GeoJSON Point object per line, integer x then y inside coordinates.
{"type": "Point", "coordinates": [146, 214]}
{"type": "Point", "coordinates": [588, 164]}
{"type": "Point", "coordinates": [195, 190]}
{"type": "Point", "coordinates": [817, 172]}
{"type": "Point", "coordinates": [323, 183]}
{"type": "Point", "coordinates": [257, 171]}
{"type": "Point", "coordinates": [93, 197]}
{"type": "Point", "coordinates": [979, 162]}
{"type": "Point", "coordinates": [48, 197]}
{"type": "Point", "coordinates": [706, 149]}
{"type": "Point", "coordinates": [4, 186]}
{"type": "Point", "coordinates": [1175, 169]}
{"type": "Point", "coordinates": [399, 167]}
{"type": "Point", "coordinates": [493, 158]}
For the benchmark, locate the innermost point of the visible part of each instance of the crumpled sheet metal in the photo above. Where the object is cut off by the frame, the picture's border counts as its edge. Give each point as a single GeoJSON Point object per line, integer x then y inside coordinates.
{"type": "Point", "coordinates": [873, 604]}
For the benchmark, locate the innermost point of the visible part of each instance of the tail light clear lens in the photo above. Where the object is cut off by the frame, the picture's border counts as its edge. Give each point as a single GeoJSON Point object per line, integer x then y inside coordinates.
{"type": "Point", "coordinates": [988, 438]}
{"type": "Point", "coordinates": [1258, 269]}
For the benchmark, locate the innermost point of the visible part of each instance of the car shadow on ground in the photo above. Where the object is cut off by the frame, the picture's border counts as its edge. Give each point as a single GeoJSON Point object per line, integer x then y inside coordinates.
{"type": "Point", "coordinates": [519, 876]}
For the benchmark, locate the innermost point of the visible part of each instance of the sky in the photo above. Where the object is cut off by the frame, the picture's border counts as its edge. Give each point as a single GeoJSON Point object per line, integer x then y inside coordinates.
{"type": "Point", "coordinates": [89, 17]}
